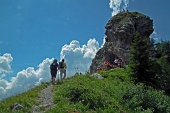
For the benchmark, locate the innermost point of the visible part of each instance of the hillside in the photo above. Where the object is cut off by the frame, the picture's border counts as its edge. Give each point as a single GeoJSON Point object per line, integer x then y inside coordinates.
{"type": "Point", "coordinates": [116, 93]}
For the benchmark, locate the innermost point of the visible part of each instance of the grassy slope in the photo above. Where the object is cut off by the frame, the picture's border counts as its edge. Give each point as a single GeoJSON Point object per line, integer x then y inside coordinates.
{"type": "Point", "coordinates": [90, 95]}
{"type": "Point", "coordinates": [26, 99]}
{"type": "Point", "coordinates": [114, 94]}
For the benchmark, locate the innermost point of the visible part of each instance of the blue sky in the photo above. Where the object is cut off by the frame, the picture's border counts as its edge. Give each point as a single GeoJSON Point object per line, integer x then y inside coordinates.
{"type": "Point", "coordinates": [32, 32]}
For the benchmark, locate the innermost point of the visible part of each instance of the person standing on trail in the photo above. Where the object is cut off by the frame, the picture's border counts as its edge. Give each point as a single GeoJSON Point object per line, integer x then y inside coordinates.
{"type": "Point", "coordinates": [53, 69]}
{"type": "Point", "coordinates": [116, 61]}
{"type": "Point", "coordinates": [62, 67]}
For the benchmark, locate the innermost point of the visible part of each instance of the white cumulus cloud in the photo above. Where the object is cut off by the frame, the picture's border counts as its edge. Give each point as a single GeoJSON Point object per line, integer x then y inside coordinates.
{"type": "Point", "coordinates": [118, 5]}
{"type": "Point", "coordinates": [78, 58]}
{"type": "Point", "coordinates": [5, 64]}
{"type": "Point", "coordinates": [25, 79]}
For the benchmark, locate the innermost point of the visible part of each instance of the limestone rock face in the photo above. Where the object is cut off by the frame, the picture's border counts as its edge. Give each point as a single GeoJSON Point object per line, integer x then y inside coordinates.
{"type": "Point", "coordinates": [120, 31]}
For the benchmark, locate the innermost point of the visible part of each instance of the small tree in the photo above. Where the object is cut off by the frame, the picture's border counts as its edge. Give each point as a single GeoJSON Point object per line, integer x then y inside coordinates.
{"type": "Point", "coordinates": [139, 60]}
{"type": "Point", "coordinates": [163, 51]}
{"type": "Point", "coordinates": [163, 48]}
{"type": "Point", "coordinates": [164, 77]}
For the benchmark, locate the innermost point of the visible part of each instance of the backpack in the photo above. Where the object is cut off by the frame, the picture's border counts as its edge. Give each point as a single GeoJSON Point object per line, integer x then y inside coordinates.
{"type": "Point", "coordinates": [54, 66]}
{"type": "Point", "coordinates": [61, 65]}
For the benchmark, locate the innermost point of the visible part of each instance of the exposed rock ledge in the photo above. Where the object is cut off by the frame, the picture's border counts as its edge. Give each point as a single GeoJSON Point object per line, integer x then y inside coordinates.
{"type": "Point", "coordinates": [120, 31]}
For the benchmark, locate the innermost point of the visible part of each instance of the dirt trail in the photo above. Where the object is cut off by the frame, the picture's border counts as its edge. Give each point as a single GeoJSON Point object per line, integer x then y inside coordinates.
{"type": "Point", "coordinates": [45, 100]}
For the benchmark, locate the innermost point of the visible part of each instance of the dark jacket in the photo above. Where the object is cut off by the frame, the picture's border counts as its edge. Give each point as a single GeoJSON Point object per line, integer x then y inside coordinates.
{"type": "Point", "coordinates": [54, 66]}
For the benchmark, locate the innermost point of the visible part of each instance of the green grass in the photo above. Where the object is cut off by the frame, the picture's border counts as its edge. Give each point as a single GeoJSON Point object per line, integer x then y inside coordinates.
{"type": "Point", "coordinates": [116, 93]}
{"type": "Point", "coordinates": [123, 17]}
{"type": "Point", "coordinates": [27, 100]}
{"type": "Point", "coordinates": [86, 94]}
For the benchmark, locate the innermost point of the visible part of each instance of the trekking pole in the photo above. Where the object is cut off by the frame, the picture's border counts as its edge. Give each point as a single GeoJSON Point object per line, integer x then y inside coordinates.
{"type": "Point", "coordinates": [58, 77]}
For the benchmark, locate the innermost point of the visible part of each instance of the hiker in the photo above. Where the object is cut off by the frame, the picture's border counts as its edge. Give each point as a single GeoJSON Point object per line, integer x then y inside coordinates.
{"type": "Point", "coordinates": [53, 69]}
{"type": "Point", "coordinates": [116, 61]}
{"type": "Point", "coordinates": [62, 67]}
{"type": "Point", "coordinates": [99, 68]}
{"type": "Point", "coordinates": [107, 65]}
{"type": "Point", "coordinates": [120, 62]}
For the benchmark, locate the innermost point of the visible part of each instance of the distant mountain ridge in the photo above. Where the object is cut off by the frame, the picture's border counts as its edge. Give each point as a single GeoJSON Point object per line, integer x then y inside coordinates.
{"type": "Point", "coordinates": [120, 31]}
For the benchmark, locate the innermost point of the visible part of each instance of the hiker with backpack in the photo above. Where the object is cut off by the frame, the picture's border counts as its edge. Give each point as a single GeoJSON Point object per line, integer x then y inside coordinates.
{"type": "Point", "coordinates": [62, 67]}
{"type": "Point", "coordinates": [53, 69]}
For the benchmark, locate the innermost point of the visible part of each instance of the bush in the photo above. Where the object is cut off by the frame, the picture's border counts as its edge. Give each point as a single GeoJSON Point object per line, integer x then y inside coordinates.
{"type": "Point", "coordinates": [141, 98]}
{"type": "Point", "coordinates": [116, 93]}
{"type": "Point", "coordinates": [88, 97]}
{"type": "Point", "coordinates": [89, 94]}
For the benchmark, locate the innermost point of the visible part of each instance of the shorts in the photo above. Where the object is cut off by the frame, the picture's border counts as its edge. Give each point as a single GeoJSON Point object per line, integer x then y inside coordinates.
{"type": "Point", "coordinates": [53, 73]}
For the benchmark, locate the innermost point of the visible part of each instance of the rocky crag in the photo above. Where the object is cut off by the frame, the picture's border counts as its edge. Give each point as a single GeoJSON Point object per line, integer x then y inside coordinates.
{"type": "Point", "coordinates": [120, 31]}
